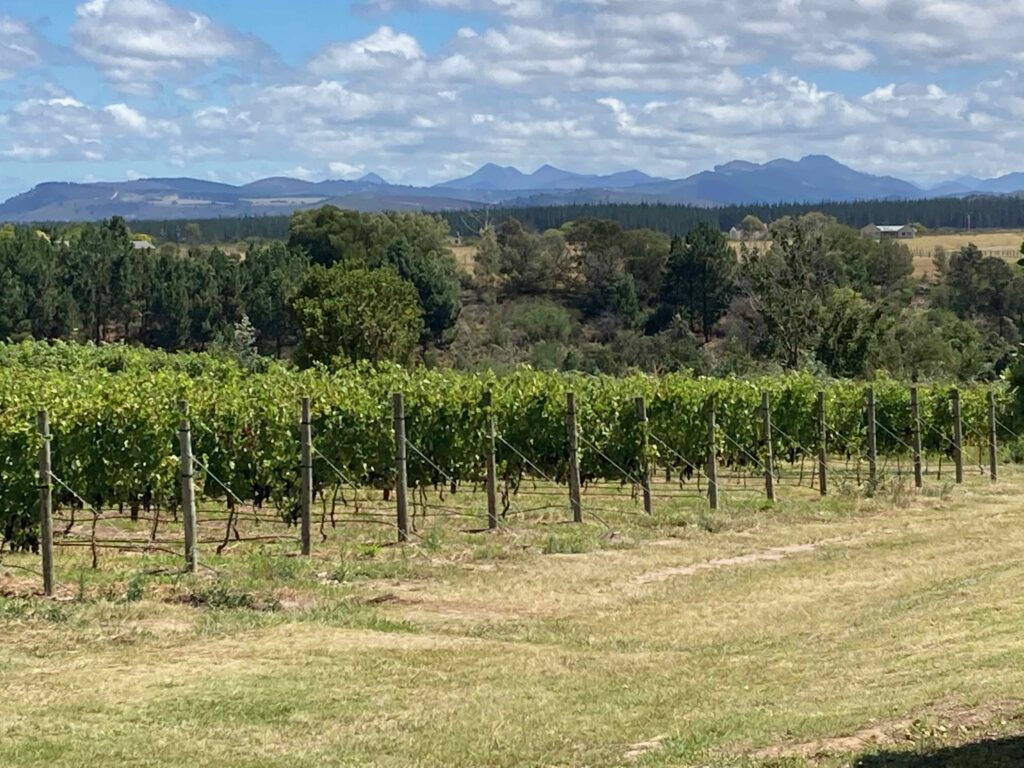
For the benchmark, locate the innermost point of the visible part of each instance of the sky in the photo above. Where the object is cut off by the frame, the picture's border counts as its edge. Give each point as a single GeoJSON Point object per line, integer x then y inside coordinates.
{"type": "Point", "coordinates": [421, 91]}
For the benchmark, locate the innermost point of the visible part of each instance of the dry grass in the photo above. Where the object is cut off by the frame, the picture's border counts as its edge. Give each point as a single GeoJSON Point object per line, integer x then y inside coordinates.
{"type": "Point", "coordinates": [1004, 244]}
{"type": "Point", "coordinates": [465, 255]}
{"type": "Point", "coordinates": [795, 636]}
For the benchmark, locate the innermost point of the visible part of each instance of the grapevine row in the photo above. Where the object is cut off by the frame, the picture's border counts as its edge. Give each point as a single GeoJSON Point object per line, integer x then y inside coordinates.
{"type": "Point", "coordinates": [114, 431]}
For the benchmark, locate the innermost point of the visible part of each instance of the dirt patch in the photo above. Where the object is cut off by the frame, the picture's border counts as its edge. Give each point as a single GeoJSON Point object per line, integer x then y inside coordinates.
{"type": "Point", "coordinates": [641, 748]}
{"type": "Point", "coordinates": [875, 735]}
{"type": "Point", "coordinates": [293, 600]}
{"type": "Point", "coordinates": [939, 722]}
{"type": "Point", "coordinates": [767, 555]}
{"type": "Point", "coordinates": [20, 585]}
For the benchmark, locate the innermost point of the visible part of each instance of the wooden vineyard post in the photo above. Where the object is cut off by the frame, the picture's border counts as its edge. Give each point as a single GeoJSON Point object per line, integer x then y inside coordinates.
{"type": "Point", "coordinates": [45, 504]}
{"type": "Point", "coordinates": [766, 429]}
{"type": "Point", "coordinates": [645, 469]}
{"type": "Point", "coordinates": [958, 444]}
{"type": "Point", "coordinates": [712, 469]}
{"type": "Point", "coordinates": [993, 447]}
{"type": "Point", "coordinates": [188, 488]}
{"type": "Point", "coordinates": [306, 470]}
{"type": "Point", "coordinates": [401, 475]}
{"type": "Point", "coordinates": [822, 445]}
{"type": "Point", "coordinates": [872, 437]}
{"type": "Point", "coordinates": [915, 415]}
{"type": "Point", "coordinates": [574, 461]}
{"type": "Point", "coordinates": [492, 469]}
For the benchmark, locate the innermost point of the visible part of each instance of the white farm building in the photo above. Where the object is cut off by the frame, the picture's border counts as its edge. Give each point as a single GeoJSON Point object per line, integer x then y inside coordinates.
{"type": "Point", "coordinates": [880, 232]}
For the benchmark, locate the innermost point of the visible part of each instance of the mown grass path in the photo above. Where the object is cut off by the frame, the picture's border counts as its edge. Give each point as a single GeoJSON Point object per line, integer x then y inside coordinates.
{"type": "Point", "coordinates": [790, 638]}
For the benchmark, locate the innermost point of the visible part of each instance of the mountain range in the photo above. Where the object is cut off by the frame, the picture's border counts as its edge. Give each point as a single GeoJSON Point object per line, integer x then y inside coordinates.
{"type": "Point", "coordinates": [811, 179]}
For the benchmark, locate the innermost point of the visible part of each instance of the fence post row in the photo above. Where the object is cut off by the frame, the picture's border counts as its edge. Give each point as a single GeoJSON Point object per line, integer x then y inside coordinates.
{"type": "Point", "coordinates": [645, 468]}
{"type": "Point", "coordinates": [958, 445]}
{"type": "Point", "coordinates": [769, 465]}
{"type": "Point", "coordinates": [872, 437]}
{"type": "Point", "coordinates": [993, 463]}
{"type": "Point", "coordinates": [188, 489]}
{"type": "Point", "coordinates": [712, 468]}
{"type": "Point", "coordinates": [401, 474]}
{"type": "Point", "coordinates": [306, 441]}
{"type": "Point", "coordinates": [574, 461]}
{"type": "Point", "coordinates": [492, 469]}
{"type": "Point", "coordinates": [822, 445]}
{"type": "Point", "coordinates": [45, 504]}
{"type": "Point", "coordinates": [915, 415]}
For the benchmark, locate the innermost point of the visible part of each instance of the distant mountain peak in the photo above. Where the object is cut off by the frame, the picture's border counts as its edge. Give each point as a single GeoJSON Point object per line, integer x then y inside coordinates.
{"type": "Point", "coordinates": [736, 166]}
{"type": "Point", "coordinates": [812, 179]}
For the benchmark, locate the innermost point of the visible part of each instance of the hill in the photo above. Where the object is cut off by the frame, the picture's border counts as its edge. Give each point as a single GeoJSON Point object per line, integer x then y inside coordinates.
{"type": "Point", "coordinates": [812, 179]}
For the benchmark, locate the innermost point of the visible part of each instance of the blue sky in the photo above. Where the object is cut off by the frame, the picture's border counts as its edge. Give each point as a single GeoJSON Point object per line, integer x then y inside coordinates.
{"type": "Point", "coordinates": [424, 90]}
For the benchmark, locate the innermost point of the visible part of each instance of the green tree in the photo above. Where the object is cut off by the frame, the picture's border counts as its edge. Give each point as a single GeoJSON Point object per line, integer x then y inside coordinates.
{"type": "Point", "coordinates": [752, 227]}
{"type": "Point", "coordinates": [270, 277]}
{"type": "Point", "coordinates": [349, 314]}
{"type": "Point", "coordinates": [487, 264]}
{"type": "Point", "coordinates": [847, 334]}
{"type": "Point", "coordinates": [532, 264]}
{"type": "Point", "coordinates": [700, 278]}
{"type": "Point", "coordinates": [414, 244]}
{"type": "Point", "coordinates": [166, 321]}
{"type": "Point", "coordinates": [785, 287]}
{"type": "Point", "coordinates": [437, 286]}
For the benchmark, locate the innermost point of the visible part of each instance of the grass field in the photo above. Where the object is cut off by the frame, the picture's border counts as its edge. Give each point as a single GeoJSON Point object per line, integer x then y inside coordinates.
{"type": "Point", "coordinates": [816, 633]}
{"type": "Point", "coordinates": [1004, 244]}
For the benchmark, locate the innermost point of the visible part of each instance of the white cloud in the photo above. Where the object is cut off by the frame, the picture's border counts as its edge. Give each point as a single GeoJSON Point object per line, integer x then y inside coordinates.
{"type": "Point", "coordinates": [135, 122]}
{"type": "Point", "coordinates": [385, 49]}
{"type": "Point", "coordinates": [136, 43]}
{"type": "Point", "coordinates": [19, 47]}
{"type": "Point", "coordinates": [345, 169]}
{"type": "Point", "coordinates": [670, 86]}
{"type": "Point", "coordinates": [837, 56]}
{"type": "Point", "coordinates": [127, 117]}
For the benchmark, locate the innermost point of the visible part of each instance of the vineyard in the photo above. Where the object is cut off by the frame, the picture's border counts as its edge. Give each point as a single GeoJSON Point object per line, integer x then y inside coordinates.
{"type": "Point", "coordinates": [114, 420]}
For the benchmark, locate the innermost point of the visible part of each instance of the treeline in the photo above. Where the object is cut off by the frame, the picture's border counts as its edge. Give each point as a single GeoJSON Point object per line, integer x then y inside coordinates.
{"type": "Point", "coordinates": [226, 230]}
{"type": "Point", "coordinates": [803, 293]}
{"type": "Point", "coordinates": [345, 285]}
{"type": "Point", "coordinates": [985, 213]}
{"type": "Point", "coordinates": [809, 293]}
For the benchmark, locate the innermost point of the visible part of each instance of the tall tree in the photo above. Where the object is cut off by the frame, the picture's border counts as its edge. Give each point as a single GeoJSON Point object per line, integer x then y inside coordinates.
{"type": "Point", "coordinates": [270, 277]}
{"type": "Point", "coordinates": [700, 278]}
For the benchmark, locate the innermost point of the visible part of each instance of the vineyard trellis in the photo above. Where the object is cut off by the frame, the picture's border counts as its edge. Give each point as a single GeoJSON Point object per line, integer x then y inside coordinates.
{"type": "Point", "coordinates": [247, 456]}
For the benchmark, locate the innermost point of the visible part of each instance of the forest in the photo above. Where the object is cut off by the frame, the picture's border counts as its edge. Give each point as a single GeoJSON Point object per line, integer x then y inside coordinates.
{"type": "Point", "coordinates": [589, 295]}
{"type": "Point", "coordinates": [983, 211]}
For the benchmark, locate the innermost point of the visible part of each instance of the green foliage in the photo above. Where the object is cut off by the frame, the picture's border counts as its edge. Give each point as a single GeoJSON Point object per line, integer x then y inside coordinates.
{"type": "Point", "coordinates": [270, 277]}
{"type": "Point", "coordinates": [434, 276]}
{"type": "Point", "coordinates": [350, 314]}
{"type": "Point", "coordinates": [540, 320]}
{"type": "Point", "coordinates": [415, 245]}
{"type": "Point", "coordinates": [700, 278]}
{"type": "Point", "coordinates": [529, 263]}
{"type": "Point", "coordinates": [114, 423]}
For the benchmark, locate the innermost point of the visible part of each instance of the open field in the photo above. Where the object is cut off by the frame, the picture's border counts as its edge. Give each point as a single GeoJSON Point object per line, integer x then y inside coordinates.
{"type": "Point", "coordinates": [1005, 244]}
{"type": "Point", "coordinates": [807, 634]}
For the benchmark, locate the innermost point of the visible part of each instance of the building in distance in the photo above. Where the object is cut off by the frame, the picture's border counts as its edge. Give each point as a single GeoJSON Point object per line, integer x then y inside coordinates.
{"type": "Point", "coordinates": [886, 232]}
